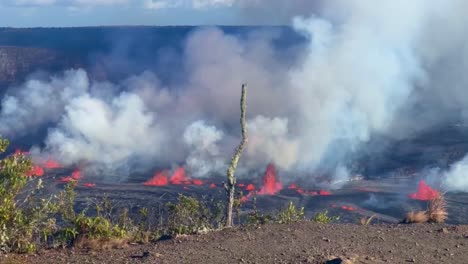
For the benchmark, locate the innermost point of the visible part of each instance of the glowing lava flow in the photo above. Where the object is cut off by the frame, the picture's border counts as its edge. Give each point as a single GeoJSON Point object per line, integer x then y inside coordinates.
{"type": "Point", "coordinates": [197, 182]}
{"type": "Point", "coordinates": [36, 171]}
{"type": "Point", "coordinates": [348, 208]}
{"type": "Point", "coordinates": [424, 192]}
{"type": "Point", "coordinates": [75, 176]}
{"type": "Point", "coordinates": [179, 176]}
{"type": "Point", "coordinates": [324, 193]}
{"type": "Point", "coordinates": [271, 185]}
{"type": "Point", "coordinates": [301, 191]}
{"type": "Point", "coordinates": [159, 179]}
{"type": "Point", "coordinates": [250, 187]}
{"type": "Point", "coordinates": [52, 164]}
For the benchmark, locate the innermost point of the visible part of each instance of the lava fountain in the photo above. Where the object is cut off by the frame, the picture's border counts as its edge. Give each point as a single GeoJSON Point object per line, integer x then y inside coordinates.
{"type": "Point", "coordinates": [271, 184]}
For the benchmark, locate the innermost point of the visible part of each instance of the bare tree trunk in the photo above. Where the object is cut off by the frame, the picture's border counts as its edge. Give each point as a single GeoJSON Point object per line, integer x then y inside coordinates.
{"type": "Point", "coordinates": [231, 178]}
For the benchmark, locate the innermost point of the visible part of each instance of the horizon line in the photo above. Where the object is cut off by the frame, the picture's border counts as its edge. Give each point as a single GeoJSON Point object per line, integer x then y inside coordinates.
{"type": "Point", "coordinates": [143, 25]}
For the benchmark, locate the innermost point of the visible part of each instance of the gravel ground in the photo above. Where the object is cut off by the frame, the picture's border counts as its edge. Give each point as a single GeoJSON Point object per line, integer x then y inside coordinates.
{"type": "Point", "coordinates": [303, 242]}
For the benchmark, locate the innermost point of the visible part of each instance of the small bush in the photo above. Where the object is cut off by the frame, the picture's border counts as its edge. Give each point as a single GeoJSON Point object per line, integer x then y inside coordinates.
{"type": "Point", "coordinates": [416, 217]}
{"type": "Point", "coordinates": [437, 209]}
{"type": "Point", "coordinates": [81, 230]}
{"type": "Point", "coordinates": [213, 211]}
{"type": "Point", "coordinates": [324, 218]}
{"type": "Point", "coordinates": [97, 227]}
{"type": "Point", "coordinates": [436, 212]}
{"type": "Point", "coordinates": [24, 218]}
{"type": "Point", "coordinates": [291, 214]}
{"type": "Point", "coordinates": [186, 216]}
{"type": "Point", "coordinates": [256, 217]}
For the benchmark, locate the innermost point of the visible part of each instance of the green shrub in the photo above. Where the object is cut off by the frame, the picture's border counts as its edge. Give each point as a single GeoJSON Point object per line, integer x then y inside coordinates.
{"type": "Point", "coordinates": [213, 212]}
{"type": "Point", "coordinates": [80, 225]}
{"type": "Point", "coordinates": [97, 227]}
{"type": "Point", "coordinates": [24, 218]}
{"type": "Point", "coordinates": [324, 218]}
{"type": "Point", "coordinates": [256, 217]}
{"type": "Point", "coordinates": [185, 216]}
{"type": "Point", "coordinates": [291, 214]}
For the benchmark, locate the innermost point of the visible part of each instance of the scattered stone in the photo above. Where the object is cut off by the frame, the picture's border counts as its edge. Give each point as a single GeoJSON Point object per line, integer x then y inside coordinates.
{"type": "Point", "coordinates": [444, 230]}
{"type": "Point", "coordinates": [145, 254]}
{"type": "Point", "coordinates": [338, 260]}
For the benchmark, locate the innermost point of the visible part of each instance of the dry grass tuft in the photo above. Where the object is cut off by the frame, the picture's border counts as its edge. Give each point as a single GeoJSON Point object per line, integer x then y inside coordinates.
{"type": "Point", "coordinates": [436, 212]}
{"type": "Point", "coordinates": [366, 220]}
{"type": "Point", "coordinates": [416, 217]}
{"type": "Point", "coordinates": [437, 209]}
{"type": "Point", "coordinates": [100, 244]}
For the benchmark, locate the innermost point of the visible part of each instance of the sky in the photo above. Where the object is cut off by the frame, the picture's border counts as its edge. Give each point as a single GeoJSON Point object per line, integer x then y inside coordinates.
{"type": "Point", "coordinates": [69, 13]}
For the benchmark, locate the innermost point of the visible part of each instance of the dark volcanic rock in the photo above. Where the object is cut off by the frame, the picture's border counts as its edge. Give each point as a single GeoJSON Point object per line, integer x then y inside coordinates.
{"type": "Point", "coordinates": [17, 62]}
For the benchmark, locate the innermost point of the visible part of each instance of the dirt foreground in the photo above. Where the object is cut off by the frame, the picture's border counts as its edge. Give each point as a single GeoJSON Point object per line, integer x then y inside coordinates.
{"type": "Point", "coordinates": [303, 242]}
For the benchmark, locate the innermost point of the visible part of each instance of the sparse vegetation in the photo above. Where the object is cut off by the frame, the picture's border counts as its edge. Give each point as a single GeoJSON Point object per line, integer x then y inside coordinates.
{"type": "Point", "coordinates": [190, 216]}
{"type": "Point", "coordinates": [437, 209]}
{"type": "Point", "coordinates": [324, 218]}
{"type": "Point", "coordinates": [24, 218]}
{"type": "Point", "coordinates": [256, 217]}
{"type": "Point", "coordinates": [291, 214]}
{"type": "Point", "coordinates": [436, 212]}
{"type": "Point", "coordinates": [366, 220]}
{"type": "Point", "coordinates": [416, 217]}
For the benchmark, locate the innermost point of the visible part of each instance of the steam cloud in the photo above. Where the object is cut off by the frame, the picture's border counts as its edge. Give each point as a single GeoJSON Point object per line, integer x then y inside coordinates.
{"type": "Point", "coordinates": [388, 68]}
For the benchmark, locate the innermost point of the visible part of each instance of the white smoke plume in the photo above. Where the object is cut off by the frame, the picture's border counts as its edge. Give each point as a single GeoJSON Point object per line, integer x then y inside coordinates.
{"type": "Point", "coordinates": [270, 140]}
{"type": "Point", "coordinates": [369, 68]}
{"type": "Point", "coordinates": [456, 178]}
{"type": "Point", "coordinates": [39, 101]}
{"type": "Point", "coordinates": [204, 156]}
{"type": "Point", "coordinates": [107, 133]}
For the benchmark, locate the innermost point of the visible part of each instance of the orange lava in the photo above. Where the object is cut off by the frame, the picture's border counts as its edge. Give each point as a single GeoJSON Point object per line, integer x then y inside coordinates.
{"type": "Point", "coordinates": [197, 182]}
{"type": "Point", "coordinates": [271, 184]}
{"type": "Point", "coordinates": [159, 179]}
{"type": "Point", "coordinates": [348, 208]}
{"type": "Point", "coordinates": [324, 193]}
{"type": "Point", "coordinates": [247, 197]}
{"type": "Point", "coordinates": [35, 171]}
{"type": "Point", "coordinates": [293, 186]}
{"type": "Point", "coordinates": [66, 179]}
{"type": "Point", "coordinates": [424, 192]}
{"type": "Point", "coordinates": [179, 176]}
{"type": "Point", "coordinates": [212, 186]}
{"type": "Point", "coordinates": [89, 185]}
{"type": "Point", "coordinates": [300, 191]}
{"type": "Point", "coordinates": [75, 176]}
{"type": "Point", "coordinates": [250, 187]}
{"type": "Point", "coordinates": [52, 164]}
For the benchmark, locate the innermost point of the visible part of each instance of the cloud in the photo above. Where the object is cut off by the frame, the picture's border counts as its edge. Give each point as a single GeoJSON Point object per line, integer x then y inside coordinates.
{"type": "Point", "coordinates": [197, 4]}
{"type": "Point", "coordinates": [148, 4]}
{"type": "Point", "coordinates": [68, 3]}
